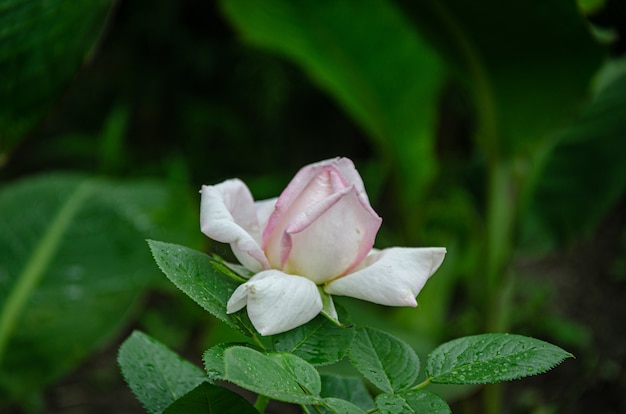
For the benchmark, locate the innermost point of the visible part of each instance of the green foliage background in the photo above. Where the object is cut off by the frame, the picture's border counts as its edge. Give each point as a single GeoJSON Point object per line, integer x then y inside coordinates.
{"type": "Point", "coordinates": [493, 129]}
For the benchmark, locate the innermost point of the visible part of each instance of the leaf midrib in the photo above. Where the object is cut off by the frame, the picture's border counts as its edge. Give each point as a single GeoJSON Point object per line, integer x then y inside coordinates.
{"type": "Point", "coordinates": [39, 260]}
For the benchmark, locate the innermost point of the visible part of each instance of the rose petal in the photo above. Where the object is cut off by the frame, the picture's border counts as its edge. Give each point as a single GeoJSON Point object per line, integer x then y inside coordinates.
{"type": "Point", "coordinates": [264, 209]}
{"type": "Point", "coordinates": [228, 215]}
{"type": "Point", "coordinates": [331, 237]}
{"type": "Point", "coordinates": [311, 185]}
{"type": "Point", "coordinates": [277, 302]}
{"type": "Point", "coordinates": [391, 277]}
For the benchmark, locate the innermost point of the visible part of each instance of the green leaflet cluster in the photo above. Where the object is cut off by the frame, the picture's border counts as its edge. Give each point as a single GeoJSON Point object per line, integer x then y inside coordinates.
{"type": "Point", "coordinates": [284, 367]}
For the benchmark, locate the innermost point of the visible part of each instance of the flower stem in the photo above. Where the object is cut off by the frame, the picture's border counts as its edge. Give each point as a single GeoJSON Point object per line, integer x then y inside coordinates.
{"type": "Point", "coordinates": [421, 384]}
{"type": "Point", "coordinates": [258, 341]}
{"type": "Point", "coordinates": [261, 402]}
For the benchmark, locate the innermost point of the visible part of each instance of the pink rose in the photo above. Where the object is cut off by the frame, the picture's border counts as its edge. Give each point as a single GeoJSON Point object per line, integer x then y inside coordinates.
{"type": "Point", "coordinates": [319, 232]}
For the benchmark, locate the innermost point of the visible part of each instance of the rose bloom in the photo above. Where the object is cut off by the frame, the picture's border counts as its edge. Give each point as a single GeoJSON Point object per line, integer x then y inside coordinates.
{"type": "Point", "coordinates": [319, 232]}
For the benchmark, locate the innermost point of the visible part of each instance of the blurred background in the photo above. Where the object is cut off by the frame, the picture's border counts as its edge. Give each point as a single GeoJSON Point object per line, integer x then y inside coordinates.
{"type": "Point", "coordinates": [495, 129]}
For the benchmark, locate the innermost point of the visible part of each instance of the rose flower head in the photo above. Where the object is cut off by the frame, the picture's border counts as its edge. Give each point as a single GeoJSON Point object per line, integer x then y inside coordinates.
{"type": "Point", "coordinates": [319, 232]}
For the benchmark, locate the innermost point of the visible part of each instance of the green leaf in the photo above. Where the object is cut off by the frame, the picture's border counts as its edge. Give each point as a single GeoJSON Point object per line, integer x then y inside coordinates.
{"type": "Point", "coordinates": [489, 358]}
{"type": "Point", "coordinates": [73, 263]}
{"type": "Point", "coordinates": [543, 49]}
{"type": "Point", "coordinates": [338, 406]}
{"type": "Point", "coordinates": [254, 371]}
{"type": "Point", "coordinates": [411, 401]}
{"type": "Point", "coordinates": [328, 306]}
{"type": "Point", "coordinates": [319, 341]}
{"type": "Point", "coordinates": [208, 398]}
{"type": "Point", "coordinates": [366, 56]}
{"type": "Point", "coordinates": [389, 363]}
{"type": "Point", "coordinates": [349, 389]}
{"type": "Point", "coordinates": [304, 373]}
{"type": "Point", "coordinates": [41, 46]}
{"type": "Point", "coordinates": [214, 360]}
{"type": "Point", "coordinates": [192, 272]}
{"type": "Point", "coordinates": [584, 176]}
{"type": "Point", "coordinates": [156, 375]}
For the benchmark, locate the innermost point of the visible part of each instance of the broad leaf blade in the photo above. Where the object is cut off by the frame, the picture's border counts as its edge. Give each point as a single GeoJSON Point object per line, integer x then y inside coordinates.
{"type": "Point", "coordinates": [386, 361]}
{"type": "Point", "coordinates": [319, 341]}
{"type": "Point", "coordinates": [155, 374]}
{"type": "Point", "coordinates": [584, 175]}
{"type": "Point", "coordinates": [301, 371]}
{"type": "Point", "coordinates": [490, 358]}
{"type": "Point", "coordinates": [542, 49]}
{"type": "Point", "coordinates": [191, 271]}
{"type": "Point", "coordinates": [213, 359]}
{"type": "Point", "coordinates": [339, 406]}
{"type": "Point", "coordinates": [41, 47]}
{"type": "Point", "coordinates": [259, 373]}
{"type": "Point", "coordinates": [411, 402]}
{"type": "Point", "coordinates": [208, 398]}
{"type": "Point", "coordinates": [368, 57]}
{"type": "Point", "coordinates": [350, 389]}
{"type": "Point", "coordinates": [72, 265]}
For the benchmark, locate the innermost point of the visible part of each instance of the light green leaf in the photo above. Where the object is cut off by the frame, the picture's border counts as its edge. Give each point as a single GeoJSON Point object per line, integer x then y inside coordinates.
{"type": "Point", "coordinates": [304, 373]}
{"type": "Point", "coordinates": [193, 273]}
{"type": "Point", "coordinates": [488, 358]}
{"type": "Point", "coordinates": [211, 399]}
{"type": "Point", "coordinates": [367, 56]}
{"type": "Point", "coordinates": [73, 262]}
{"type": "Point", "coordinates": [411, 402]}
{"type": "Point", "coordinates": [319, 341]}
{"type": "Point", "coordinates": [156, 375]}
{"type": "Point", "coordinates": [259, 373]}
{"type": "Point", "coordinates": [338, 406]}
{"type": "Point", "coordinates": [389, 363]}
{"type": "Point", "coordinates": [328, 306]}
{"type": "Point", "coordinates": [41, 47]}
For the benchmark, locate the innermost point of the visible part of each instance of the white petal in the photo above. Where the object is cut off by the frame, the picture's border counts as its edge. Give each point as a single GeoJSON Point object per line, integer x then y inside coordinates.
{"type": "Point", "coordinates": [228, 214]}
{"type": "Point", "coordinates": [238, 299]}
{"type": "Point", "coordinates": [331, 237]}
{"type": "Point", "coordinates": [264, 209]}
{"type": "Point", "coordinates": [391, 277]}
{"type": "Point", "coordinates": [311, 185]}
{"type": "Point", "coordinates": [277, 302]}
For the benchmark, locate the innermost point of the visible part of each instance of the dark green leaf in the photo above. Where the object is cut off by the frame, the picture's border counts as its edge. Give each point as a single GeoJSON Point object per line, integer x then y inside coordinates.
{"type": "Point", "coordinates": [411, 402]}
{"type": "Point", "coordinates": [584, 175]}
{"type": "Point", "coordinates": [349, 389]}
{"type": "Point", "coordinates": [211, 399]}
{"type": "Point", "coordinates": [319, 341]}
{"type": "Point", "coordinates": [369, 58]}
{"type": "Point", "coordinates": [191, 271]}
{"type": "Point", "coordinates": [489, 358]}
{"type": "Point", "coordinates": [386, 361]}
{"type": "Point", "coordinates": [214, 360]}
{"type": "Point", "coordinates": [259, 373]}
{"type": "Point", "coordinates": [73, 262]}
{"type": "Point", "coordinates": [41, 47]}
{"type": "Point", "coordinates": [528, 63]}
{"type": "Point", "coordinates": [155, 374]}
